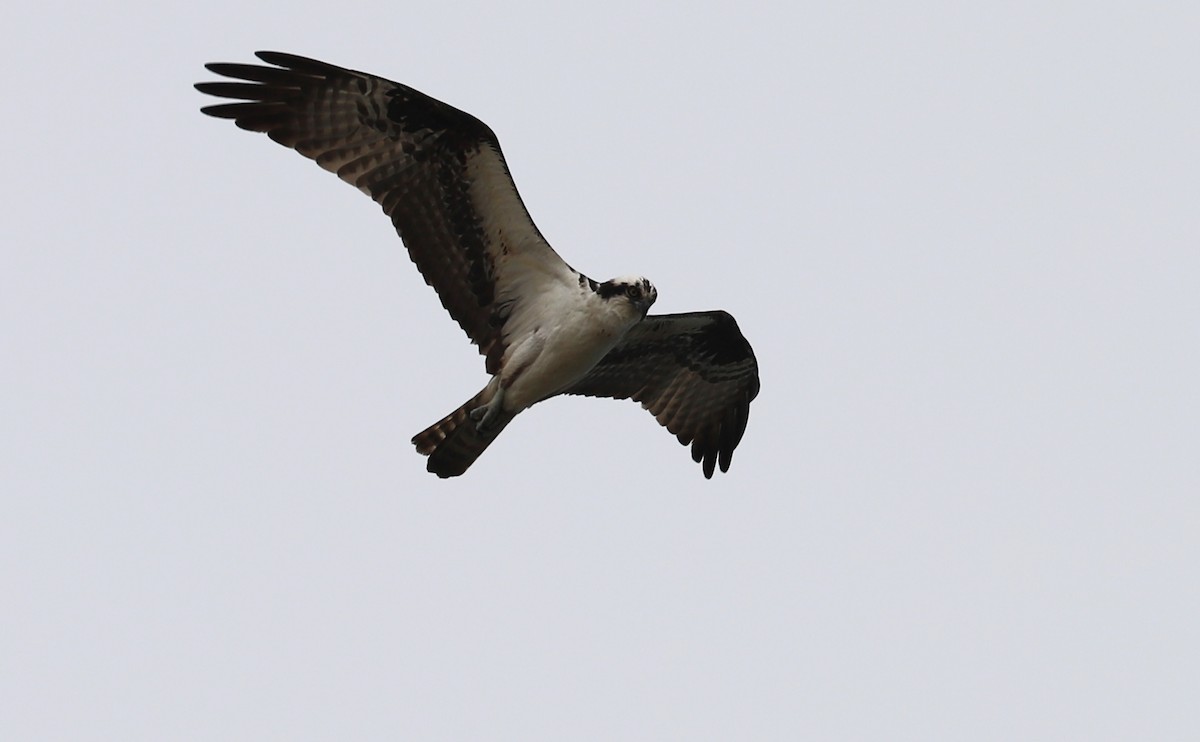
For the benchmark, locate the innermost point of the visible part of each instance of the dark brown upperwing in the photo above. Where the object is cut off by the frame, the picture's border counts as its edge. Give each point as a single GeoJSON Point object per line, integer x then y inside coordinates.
{"type": "Point", "coordinates": [438, 172]}
{"type": "Point", "coordinates": [696, 374]}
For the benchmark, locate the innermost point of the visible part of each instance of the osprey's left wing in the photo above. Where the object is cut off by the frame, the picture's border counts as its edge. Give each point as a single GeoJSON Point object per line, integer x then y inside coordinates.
{"type": "Point", "coordinates": [696, 374]}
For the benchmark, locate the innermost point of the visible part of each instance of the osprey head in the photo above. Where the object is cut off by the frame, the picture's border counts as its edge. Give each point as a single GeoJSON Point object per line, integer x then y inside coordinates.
{"type": "Point", "coordinates": [636, 290]}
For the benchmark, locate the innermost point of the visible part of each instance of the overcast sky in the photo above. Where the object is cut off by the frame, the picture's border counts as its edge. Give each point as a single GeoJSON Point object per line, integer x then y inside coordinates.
{"type": "Point", "coordinates": [964, 241]}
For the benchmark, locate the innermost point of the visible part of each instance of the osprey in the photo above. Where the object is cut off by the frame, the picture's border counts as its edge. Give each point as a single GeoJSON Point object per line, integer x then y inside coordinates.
{"type": "Point", "coordinates": [544, 328]}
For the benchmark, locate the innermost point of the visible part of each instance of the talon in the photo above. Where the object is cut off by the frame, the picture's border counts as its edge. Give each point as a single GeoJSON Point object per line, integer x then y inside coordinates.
{"type": "Point", "coordinates": [485, 415]}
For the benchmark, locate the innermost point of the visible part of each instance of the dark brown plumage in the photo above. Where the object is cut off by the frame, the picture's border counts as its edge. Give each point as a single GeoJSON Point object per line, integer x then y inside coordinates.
{"type": "Point", "coordinates": [440, 176]}
{"type": "Point", "coordinates": [402, 148]}
{"type": "Point", "coordinates": [694, 372]}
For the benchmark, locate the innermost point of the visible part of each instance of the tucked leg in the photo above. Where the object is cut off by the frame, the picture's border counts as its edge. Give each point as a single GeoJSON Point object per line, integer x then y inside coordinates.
{"type": "Point", "coordinates": [485, 415]}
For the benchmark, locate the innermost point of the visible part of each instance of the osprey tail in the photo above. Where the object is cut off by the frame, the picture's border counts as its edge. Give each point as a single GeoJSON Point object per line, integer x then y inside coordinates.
{"type": "Point", "coordinates": [454, 442]}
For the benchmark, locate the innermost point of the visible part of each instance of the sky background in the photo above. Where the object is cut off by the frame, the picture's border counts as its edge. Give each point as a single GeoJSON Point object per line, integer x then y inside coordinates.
{"type": "Point", "coordinates": [964, 241]}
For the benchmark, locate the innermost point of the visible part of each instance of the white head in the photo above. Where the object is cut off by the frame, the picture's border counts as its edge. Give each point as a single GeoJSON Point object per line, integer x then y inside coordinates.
{"type": "Point", "coordinates": [635, 290]}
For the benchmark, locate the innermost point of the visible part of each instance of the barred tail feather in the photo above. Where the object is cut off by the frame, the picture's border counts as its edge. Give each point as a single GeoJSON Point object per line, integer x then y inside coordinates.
{"type": "Point", "coordinates": [453, 443]}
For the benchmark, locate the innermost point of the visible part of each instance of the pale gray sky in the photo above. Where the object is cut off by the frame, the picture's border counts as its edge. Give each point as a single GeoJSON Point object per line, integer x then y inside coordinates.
{"type": "Point", "coordinates": [963, 240]}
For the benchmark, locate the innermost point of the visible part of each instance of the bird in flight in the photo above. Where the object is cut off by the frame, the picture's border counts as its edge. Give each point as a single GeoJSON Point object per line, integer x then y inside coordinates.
{"type": "Point", "coordinates": [544, 328]}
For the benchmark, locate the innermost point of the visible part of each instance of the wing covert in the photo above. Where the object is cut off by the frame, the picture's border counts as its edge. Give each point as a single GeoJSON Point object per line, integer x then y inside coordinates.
{"type": "Point", "coordinates": [438, 172]}
{"type": "Point", "coordinates": [695, 372]}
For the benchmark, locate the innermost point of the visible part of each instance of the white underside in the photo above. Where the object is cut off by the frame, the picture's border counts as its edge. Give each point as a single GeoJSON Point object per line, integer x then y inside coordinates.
{"type": "Point", "coordinates": [569, 332]}
{"type": "Point", "coordinates": [557, 329]}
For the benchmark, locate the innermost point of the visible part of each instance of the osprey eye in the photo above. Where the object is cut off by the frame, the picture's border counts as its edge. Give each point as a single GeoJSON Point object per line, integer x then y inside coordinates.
{"type": "Point", "coordinates": [632, 292]}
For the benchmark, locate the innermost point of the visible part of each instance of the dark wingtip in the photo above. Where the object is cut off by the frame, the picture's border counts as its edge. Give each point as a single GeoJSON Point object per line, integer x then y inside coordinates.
{"type": "Point", "coordinates": [276, 58]}
{"type": "Point", "coordinates": [297, 63]}
{"type": "Point", "coordinates": [725, 458]}
{"type": "Point", "coordinates": [220, 111]}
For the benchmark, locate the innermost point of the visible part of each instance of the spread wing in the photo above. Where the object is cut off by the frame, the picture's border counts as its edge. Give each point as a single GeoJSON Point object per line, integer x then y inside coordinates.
{"type": "Point", "coordinates": [694, 372]}
{"type": "Point", "coordinates": [437, 172]}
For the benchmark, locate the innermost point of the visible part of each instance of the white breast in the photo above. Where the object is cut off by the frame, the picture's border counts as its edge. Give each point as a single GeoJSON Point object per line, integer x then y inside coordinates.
{"type": "Point", "coordinates": [568, 333]}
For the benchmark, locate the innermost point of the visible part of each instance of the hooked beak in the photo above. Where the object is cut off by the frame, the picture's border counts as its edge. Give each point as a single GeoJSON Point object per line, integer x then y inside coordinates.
{"type": "Point", "coordinates": [646, 302]}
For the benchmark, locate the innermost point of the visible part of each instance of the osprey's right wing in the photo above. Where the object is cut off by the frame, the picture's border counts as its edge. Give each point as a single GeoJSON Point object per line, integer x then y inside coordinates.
{"type": "Point", "coordinates": [437, 172]}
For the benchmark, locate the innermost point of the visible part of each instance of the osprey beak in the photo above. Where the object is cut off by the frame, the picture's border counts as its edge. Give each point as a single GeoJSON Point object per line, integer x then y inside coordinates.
{"type": "Point", "coordinates": [647, 300]}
